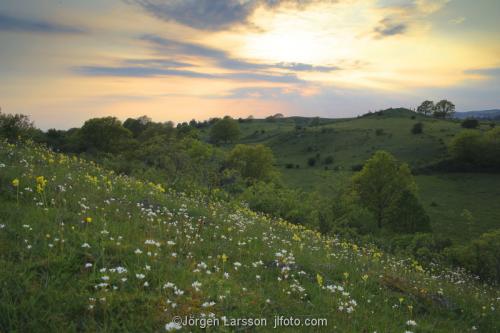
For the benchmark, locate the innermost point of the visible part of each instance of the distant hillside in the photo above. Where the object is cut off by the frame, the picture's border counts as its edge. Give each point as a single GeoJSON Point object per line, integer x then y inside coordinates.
{"type": "Point", "coordinates": [482, 114]}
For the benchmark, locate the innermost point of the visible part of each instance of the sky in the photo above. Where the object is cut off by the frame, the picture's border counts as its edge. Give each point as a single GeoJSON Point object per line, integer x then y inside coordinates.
{"type": "Point", "coordinates": [65, 61]}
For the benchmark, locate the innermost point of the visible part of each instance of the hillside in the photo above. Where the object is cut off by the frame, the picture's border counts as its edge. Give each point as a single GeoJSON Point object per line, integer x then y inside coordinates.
{"type": "Point", "coordinates": [85, 250]}
{"type": "Point", "coordinates": [350, 142]}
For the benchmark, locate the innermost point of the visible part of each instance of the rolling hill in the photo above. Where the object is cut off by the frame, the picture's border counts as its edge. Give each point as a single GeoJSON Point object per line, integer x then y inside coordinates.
{"type": "Point", "coordinates": [86, 250]}
{"type": "Point", "coordinates": [348, 143]}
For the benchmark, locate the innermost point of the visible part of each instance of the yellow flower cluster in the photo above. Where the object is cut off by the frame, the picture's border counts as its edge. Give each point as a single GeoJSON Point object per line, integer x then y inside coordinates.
{"type": "Point", "coordinates": [41, 183]}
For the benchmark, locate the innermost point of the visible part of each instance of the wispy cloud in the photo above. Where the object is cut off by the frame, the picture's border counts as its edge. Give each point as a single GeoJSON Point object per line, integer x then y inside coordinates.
{"type": "Point", "coordinates": [388, 27]}
{"type": "Point", "coordinates": [137, 71]}
{"type": "Point", "coordinates": [213, 14]}
{"type": "Point", "coordinates": [489, 72]}
{"type": "Point", "coordinates": [18, 24]}
{"type": "Point", "coordinates": [223, 59]}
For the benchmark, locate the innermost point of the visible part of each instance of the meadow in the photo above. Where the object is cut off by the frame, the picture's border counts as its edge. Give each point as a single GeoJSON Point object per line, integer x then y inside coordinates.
{"type": "Point", "coordinates": [84, 249]}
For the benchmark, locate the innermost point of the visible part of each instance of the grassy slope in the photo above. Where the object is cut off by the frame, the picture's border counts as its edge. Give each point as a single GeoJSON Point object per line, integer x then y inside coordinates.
{"type": "Point", "coordinates": [352, 141]}
{"type": "Point", "coordinates": [137, 228]}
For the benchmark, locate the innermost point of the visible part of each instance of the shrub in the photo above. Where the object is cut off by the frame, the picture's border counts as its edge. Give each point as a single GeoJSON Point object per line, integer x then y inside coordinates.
{"type": "Point", "coordinates": [328, 159]}
{"type": "Point", "coordinates": [379, 132]}
{"type": "Point", "coordinates": [481, 256]}
{"type": "Point", "coordinates": [311, 161]}
{"type": "Point", "coordinates": [417, 128]}
{"type": "Point", "coordinates": [470, 123]}
{"type": "Point", "coordinates": [254, 163]}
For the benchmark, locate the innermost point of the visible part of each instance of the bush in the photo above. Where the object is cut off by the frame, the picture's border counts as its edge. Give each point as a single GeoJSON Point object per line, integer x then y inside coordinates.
{"type": "Point", "coordinates": [417, 128]}
{"type": "Point", "coordinates": [481, 256]}
{"type": "Point", "coordinates": [289, 165]}
{"type": "Point", "coordinates": [254, 163]}
{"type": "Point", "coordinates": [311, 161]}
{"type": "Point", "coordinates": [379, 132]}
{"type": "Point", "coordinates": [328, 159]}
{"type": "Point", "coordinates": [470, 123]}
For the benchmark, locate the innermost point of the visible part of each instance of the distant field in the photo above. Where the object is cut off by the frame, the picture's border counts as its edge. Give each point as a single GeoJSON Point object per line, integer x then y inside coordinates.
{"type": "Point", "coordinates": [478, 193]}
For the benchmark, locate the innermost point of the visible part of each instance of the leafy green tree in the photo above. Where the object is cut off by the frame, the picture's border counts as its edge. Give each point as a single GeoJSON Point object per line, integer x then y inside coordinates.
{"type": "Point", "coordinates": [444, 109]}
{"type": "Point", "coordinates": [492, 147]}
{"type": "Point", "coordinates": [137, 126]}
{"type": "Point", "coordinates": [13, 126]}
{"type": "Point", "coordinates": [253, 162]}
{"type": "Point", "coordinates": [381, 184]}
{"type": "Point", "coordinates": [467, 146]}
{"type": "Point", "coordinates": [225, 130]}
{"type": "Point", "coordinates": [104, 134]}
{"type": "Point", "coordinates": [407, 215]}
{"type": "Point", "coordinates": [426, 108]}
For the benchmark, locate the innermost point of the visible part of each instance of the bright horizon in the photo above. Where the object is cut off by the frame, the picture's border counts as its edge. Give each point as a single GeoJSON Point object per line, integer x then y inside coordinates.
{"type": "Point", "coordinates": [63, 62]}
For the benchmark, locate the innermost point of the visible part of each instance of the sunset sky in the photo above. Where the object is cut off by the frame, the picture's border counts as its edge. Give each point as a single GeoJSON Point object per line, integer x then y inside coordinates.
{"type": "Point", "coordinates": [64, 61]}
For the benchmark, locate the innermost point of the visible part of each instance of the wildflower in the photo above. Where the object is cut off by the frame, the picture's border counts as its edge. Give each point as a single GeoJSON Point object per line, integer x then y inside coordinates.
{"type": "Point", "coordinates": [15, 182]}
{"type": "Point", "coordinates": [226, 275]}
{"type": "Point", "coordinates": [411, 323]}
{"type": "Point", "coordinates": [88, 219]}
{"type": "Point", "coordinates": [86, 245]}
{"type": "Point", "coordinates": [224, 257]}
{"type": "Point", "coordinates": [172, 326]}
{"type": "Point", "coordinates": [319, 278]}
{"type": "Point", "coordinates": [41, 182]}
{"type": "Point", "coordinates": [365, 277]}
{"type": "Point", "coordinates": [346, 275]}
{"type": "Point", "coordinates": [88, 265]}
{"type": "Point", "coordinates": [296, 237]}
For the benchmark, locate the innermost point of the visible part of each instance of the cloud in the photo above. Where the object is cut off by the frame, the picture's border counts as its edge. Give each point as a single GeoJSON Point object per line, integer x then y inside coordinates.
{"type": "Point", "coordinates": [489, 72]}
{"type": "Point", "coordinates": [17, 24]}
{"type": "Point", "coordinates": [388, 27]}
{"type": "Point", "coordinates": [212, 14]}
{"type": "Point", "coordinates": [223, 59]}
{"type": "Point", "coordinates": [137, 71]}
{"type": "Point", "coordinates": [124, 70]}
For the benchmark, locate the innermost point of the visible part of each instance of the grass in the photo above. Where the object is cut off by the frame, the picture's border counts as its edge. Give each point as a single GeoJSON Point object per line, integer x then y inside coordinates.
{"type": "Point", "coordinates": [92, 251]}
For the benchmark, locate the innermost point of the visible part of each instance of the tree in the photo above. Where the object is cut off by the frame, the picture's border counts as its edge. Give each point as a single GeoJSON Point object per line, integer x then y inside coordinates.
{"type": "Point", "coordinates": [225, 130]}
{"type": "Point", "coordinates": [426, 108]}
{"type": "Point", "coordinates": [254, 163]}
{"type": "Point", "coordinates": [444, 109]}
{"type": "Point", "coordinates": [104, 134]}
{"type": "Point", "coordinates": [137, 126]}
{"type": "Point", "coordinates": [13, 126]}
{"type": "Point", "coordinates": [381, 183]}
{"type": "Point", "coordinates": [407, 215]}
{"type": "Point", "coordinates": [467, 146]}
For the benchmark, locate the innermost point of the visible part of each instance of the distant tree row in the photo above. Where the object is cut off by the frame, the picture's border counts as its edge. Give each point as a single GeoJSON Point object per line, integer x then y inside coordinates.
{"type": "Point", "coordinates": [442, 109]}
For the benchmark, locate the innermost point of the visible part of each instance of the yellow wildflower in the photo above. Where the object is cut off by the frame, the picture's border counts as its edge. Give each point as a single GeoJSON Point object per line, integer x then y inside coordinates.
{"type": "Point", "coordinates": [319, 278]}
{"type": "Point", "coordinates": [365, 277]}
{"type": "Point", "coordinates": [15, 182]}
{"type": "Point", "coordinates": [224, 257]}
{"type": "Point", "coordinates": [296, 237]}
{"type": "Point", "coordinates": [346, 275]}
{"type": "Point", "coordinates": [88, 219]}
